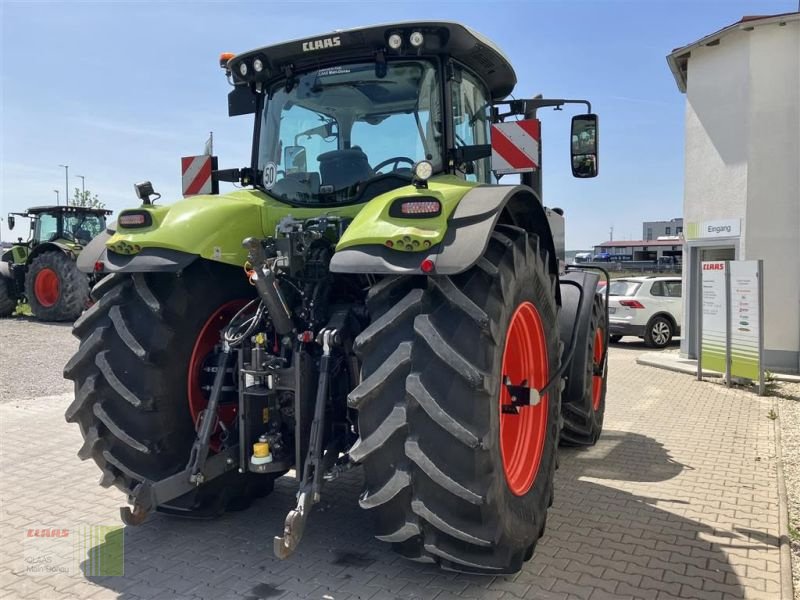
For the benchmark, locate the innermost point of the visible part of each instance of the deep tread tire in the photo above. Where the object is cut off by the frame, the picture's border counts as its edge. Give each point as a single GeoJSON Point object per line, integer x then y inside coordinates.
{"type": "Point", "coordinates": [651, 337]}
{"type": "Point", "coordinates": [73, 287]}
{"type": "Point", "coordinates": [8, 302]}
{"type": "Point", "coordinates": [582, 422]}
{"type": "Point", "coordinates": [429, 411]}
{"type": "Point", "coordinates": [130, 382]}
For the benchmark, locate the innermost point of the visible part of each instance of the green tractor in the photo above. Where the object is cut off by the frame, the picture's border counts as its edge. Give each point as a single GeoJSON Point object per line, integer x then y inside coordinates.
{"type": "Point", "coordinates": [370, 297]}
{"type": "Point", "coordinates": [43, 270]}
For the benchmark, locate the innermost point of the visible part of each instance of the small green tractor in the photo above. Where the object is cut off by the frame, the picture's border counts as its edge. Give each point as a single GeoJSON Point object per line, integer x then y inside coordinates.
{"type": "Point", "coordinates": [370, 297]}
{"type": "Point", "coordinates": [43, 270]}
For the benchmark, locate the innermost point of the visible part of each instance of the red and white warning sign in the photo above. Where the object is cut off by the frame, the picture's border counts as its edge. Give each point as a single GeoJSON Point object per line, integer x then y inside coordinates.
{"type": "Point", "coordinates": [196, 175]}
{"type": "Point", "coordinates": [515, 146]}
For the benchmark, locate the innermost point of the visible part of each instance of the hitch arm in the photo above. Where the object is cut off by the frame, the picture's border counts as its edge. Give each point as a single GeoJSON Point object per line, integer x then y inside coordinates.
{"type": "Point", "coordinates": [313, 469]}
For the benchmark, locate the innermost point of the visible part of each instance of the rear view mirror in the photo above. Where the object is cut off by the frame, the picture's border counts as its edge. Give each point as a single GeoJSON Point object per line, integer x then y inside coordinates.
{"type": "Point", "coordinates": [294, 159]}
{"type": "Point", "coordinates": [584, 146]}
{"type": "Point", "coordinates": [11, 222]}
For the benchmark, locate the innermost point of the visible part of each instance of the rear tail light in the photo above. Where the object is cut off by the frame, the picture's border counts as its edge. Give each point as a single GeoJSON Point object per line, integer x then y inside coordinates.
{"type": "Point", "coordinates": [631, 303]}
{"type": "Point", "coordinates": [135, 219]}
{"type": "Point", "coordinates": [415, 208]}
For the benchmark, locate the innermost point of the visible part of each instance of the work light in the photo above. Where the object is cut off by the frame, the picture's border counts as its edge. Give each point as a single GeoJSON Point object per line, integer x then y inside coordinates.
{"type": "Point", "coordinates": [243, 69]}
{"type": "Point", "coordinates": [423, 170]}
{"type": "Point", "coordinates": [258, 65]}
{"type": "Point", "coordinates": [395, 41]}
{"type": "Point", "coordinates": [416, 39]}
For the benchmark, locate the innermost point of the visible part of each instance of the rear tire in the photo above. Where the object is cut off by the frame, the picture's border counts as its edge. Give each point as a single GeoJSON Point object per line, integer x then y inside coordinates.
{"type": "Point", "coordinates": [130, 375]}
{"type": "Point", "coordinates": [429, 415]}
{"type": "Point", "coordinates": [55, 288]}
{"type": "Point", "coordinates": [583, 403]}
{"type": "Point", "coordinates": [658, 332]}
{"type": "Point", "coordinates": [8, 301]}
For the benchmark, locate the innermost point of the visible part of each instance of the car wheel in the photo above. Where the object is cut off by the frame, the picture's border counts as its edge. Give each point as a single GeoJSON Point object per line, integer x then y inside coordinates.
{"type": "Point", "coordinates": [614, 338]}
{"type": "Point", "coordinates": [658, 333]}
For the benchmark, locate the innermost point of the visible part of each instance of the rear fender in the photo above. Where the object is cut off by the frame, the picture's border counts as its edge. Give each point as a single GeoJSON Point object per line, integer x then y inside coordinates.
{"type": "Point", "coordinates": [55, 246]}
{"type": "Point", "coordinates": [469, 229]}
{"type": "Point", "coordinates": [94, 250]}
{"type": "Point", "coordinates": [571, 317]}
{"type": "Point", "coordinates": [207, 227]}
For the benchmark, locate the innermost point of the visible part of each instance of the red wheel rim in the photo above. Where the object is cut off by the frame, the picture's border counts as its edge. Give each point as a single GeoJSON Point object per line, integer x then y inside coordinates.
{"type": "Point", "coordinates": [597, 361]}
{"type": "Point", "coordinates": [203, 346]}
{"type": "Point", "coordinates": [46, 287]}
{"type": "Point", "coordinates": [522, 435]}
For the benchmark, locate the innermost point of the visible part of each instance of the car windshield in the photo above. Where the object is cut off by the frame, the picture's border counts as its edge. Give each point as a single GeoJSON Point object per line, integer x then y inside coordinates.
{"type": "Point", "coordinates": [335, 129]}
{"type": "Point", "coordinates": [623, 288]}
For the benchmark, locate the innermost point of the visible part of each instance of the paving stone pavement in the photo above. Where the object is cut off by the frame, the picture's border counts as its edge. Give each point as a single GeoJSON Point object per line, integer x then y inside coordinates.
{"type": "Point", "coordinates": [677, 500]}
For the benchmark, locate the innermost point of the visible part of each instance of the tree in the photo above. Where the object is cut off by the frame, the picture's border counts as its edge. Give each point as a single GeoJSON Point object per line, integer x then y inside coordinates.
{"type": "Point", "coordinates": [86, 199]}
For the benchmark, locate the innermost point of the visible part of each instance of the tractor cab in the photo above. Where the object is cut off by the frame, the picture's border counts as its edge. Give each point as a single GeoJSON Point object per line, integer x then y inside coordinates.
{"type": "Point", "coordinates": [69, 224]}
{"type": "Point", "coordinates": [342, 118]}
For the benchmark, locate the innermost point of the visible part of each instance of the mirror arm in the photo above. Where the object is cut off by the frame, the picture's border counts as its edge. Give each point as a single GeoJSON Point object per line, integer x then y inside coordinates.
{"type": "Point", "coordinates": [529, 106]}
{"type": "Point", "coordinates": [464, 154]}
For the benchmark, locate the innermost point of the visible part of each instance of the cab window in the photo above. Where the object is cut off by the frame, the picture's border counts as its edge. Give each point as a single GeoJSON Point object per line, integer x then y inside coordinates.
{"type": "Point", "coordinates": [471, 121]}
{"type": "Point", "coordinates": [46, 228]}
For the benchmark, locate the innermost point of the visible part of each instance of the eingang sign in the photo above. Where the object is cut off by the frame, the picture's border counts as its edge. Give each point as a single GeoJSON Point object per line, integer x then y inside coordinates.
{"type": "Point", "coordinates": [720, 228]}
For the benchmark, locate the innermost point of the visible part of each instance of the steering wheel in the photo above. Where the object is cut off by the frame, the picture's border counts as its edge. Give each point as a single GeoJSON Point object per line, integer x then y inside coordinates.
{"type": "Point", "coordinates": [393, 161]}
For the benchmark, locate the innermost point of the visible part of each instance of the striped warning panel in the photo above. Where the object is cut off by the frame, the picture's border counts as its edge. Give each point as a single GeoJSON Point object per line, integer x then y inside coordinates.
{"type": "Point", "coordinates": [515, 146]}
{"type": "Point", "coordinates": [196, 175]}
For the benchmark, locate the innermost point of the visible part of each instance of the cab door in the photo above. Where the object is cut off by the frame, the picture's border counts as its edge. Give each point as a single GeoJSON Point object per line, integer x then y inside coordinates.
{"type": "Point", "coordinates": [471, 125]}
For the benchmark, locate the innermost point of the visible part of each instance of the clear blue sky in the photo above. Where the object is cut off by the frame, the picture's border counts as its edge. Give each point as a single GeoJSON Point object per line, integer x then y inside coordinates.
{"type": "Point", "coordinates": [119, 91]}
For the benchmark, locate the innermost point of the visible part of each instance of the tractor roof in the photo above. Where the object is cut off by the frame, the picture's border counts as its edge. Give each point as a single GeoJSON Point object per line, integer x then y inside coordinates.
{"type": "Point", "coordinates": [35, 210]}
{"type": "Point", "coordinates": [440, 38]}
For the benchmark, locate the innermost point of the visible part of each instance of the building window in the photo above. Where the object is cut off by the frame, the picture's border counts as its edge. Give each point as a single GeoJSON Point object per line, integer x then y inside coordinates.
{"type": "Point", "coordinates": [667, 231]}
{"type": "Point", "coordinates": [678, 230]}
{"type": "Point", "coordinates": [649, 233]}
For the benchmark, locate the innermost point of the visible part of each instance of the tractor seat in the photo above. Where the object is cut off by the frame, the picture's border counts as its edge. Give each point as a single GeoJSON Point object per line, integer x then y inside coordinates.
{"type": "Point", "coordinates": [342, 168]}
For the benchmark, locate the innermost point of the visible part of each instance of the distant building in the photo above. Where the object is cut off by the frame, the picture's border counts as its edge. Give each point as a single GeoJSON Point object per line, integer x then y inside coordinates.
{"type": "Point", "coordinates": [654, 250]}
{"type": "Point", "coordinates": [652, 230]}
{"type": "Point", "coordinates": [742, 189]}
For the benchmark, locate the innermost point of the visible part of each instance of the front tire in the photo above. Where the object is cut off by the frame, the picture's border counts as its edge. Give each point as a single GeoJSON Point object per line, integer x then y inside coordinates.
{"type": "Point", "coordinates": [131, 391]}
{"type": "Point", "coordinates": [449, 477]}
{"type": "Point", "coordinates": [55, 288]}
{"type": "Point", "coordinates": [658, 332]}
{"type": "Point", "coordinates": [8, 301]}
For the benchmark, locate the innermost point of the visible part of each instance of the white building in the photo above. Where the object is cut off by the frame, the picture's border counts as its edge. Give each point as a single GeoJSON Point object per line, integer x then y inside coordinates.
{"type": "Point", "coordinates": [652, 230]}
{"type": "Point", "coordinates": [742, 182]}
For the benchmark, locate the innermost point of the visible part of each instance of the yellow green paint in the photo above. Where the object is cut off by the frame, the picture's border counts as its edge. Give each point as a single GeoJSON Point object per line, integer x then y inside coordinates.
{"type": "Point", "coordinates": [213, 227]}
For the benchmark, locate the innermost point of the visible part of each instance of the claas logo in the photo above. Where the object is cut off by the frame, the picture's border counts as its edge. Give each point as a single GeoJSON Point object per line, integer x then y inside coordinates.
{"type": "Point", "coordinates": [48, 532]}
{"type": "Point", "coordinates": [714, 267]}
{"type": "Point", "coordinates": [331, 42]}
